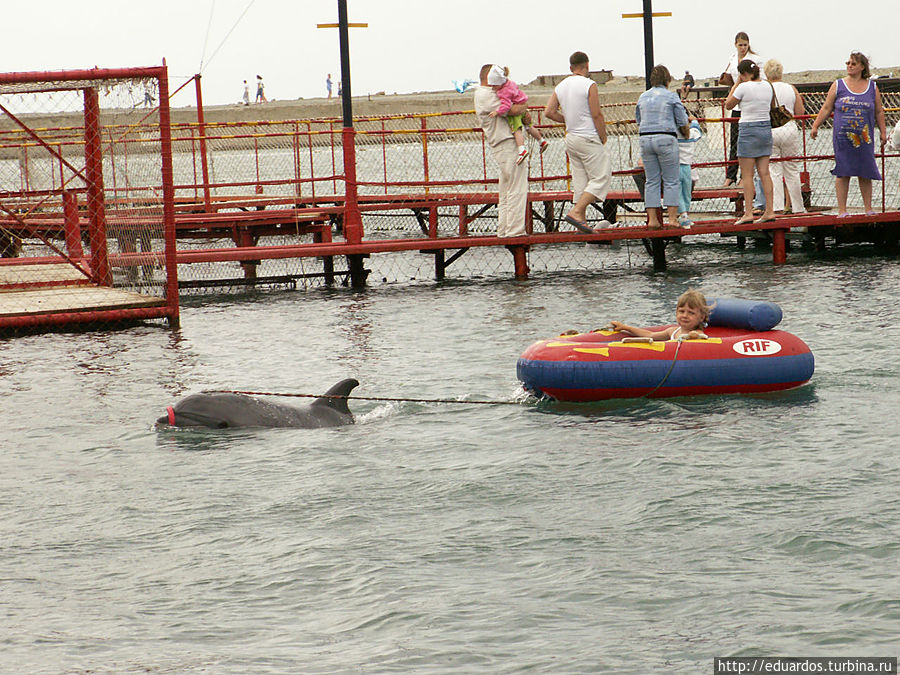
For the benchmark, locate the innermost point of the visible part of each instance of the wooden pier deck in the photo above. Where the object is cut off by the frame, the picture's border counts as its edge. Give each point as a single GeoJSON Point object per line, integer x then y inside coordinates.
{"type": "Point", "coordinates": [35, 294]}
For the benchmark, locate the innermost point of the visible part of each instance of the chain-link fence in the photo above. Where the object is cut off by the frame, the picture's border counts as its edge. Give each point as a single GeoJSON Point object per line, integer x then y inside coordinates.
{"type": "Point", "coordinates": [276, 184]}
{"type": "Point", "coordinates": [82, 226]}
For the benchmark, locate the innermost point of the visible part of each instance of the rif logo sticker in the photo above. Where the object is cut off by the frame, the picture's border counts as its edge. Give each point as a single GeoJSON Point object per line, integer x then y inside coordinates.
{"type": "Point", "coordinates": [757, 347]}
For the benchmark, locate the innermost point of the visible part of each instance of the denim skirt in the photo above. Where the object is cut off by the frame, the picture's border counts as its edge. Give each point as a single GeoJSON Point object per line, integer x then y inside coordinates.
{"type": "Point", "coordinates": [754, 139]}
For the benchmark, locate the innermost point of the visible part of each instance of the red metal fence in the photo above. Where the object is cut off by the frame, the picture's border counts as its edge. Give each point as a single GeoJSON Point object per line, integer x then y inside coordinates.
{"type": "Point", "coordinates": [245, 194]}
{"type": "Point", "coordinates": [80, 243]}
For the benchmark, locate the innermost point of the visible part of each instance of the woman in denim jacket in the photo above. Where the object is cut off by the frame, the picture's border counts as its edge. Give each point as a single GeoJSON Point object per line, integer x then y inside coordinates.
{"type": "Point", "coordinates": [660, 115]}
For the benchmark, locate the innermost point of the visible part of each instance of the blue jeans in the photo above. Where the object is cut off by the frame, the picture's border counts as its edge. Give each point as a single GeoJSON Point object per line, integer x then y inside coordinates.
{"type": "Point", "coordinates": [660, 156]}
{"type": "Point", "coordinates": [684, 201]}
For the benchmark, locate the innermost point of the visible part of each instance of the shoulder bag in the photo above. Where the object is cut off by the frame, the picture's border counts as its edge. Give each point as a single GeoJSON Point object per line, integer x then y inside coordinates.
{"type": "Point", "coordinates": [778, 114]}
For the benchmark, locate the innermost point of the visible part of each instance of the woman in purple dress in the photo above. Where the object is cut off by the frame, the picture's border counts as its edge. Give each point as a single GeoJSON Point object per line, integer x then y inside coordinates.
{"type": "Point", "coordinates": [856, 103]}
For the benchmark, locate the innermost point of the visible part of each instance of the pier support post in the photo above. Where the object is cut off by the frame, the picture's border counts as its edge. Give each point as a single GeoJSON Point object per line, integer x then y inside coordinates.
{"type": "Point", "coordinates": [72, 227]}
{"type": "Point", "coordinates": [779, 250]}
{"type": "Point", "coordinates": [93, 170]}
{"type": "Point", "coordinates": [358, 272]}
{"type": "Point", "coordinates": [520, 261]}
{"type": "Point", "coordinates": [549, 224]}
{"type": "Point", "coordinates": [439, 265]}
{"type": "Point", "coordinates": [658, 250]}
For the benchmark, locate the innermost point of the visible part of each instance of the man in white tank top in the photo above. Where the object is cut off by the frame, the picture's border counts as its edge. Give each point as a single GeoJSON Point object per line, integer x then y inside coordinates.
{"type": "Point", "coordinates": [512, 187]}
{"type": "Point", "coordinates": [576, 103]}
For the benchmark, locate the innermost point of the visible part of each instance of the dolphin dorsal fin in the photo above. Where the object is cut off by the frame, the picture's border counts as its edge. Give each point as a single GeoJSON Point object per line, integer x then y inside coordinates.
{"type": "Point", "coordinates": [342, 388]}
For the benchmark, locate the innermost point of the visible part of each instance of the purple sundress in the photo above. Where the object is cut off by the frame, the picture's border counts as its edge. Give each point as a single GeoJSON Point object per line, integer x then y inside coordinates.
{"type": "Point", "coordinates": [854, 127]}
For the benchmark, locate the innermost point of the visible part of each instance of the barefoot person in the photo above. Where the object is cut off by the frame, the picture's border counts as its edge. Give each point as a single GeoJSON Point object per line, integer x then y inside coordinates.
{"type": "Point", "coordinates": [754, 138]}
{"type": "Point", "coordinates": [857, 107]}
{"type": "Point", "coordinates": [512, 187]}
{"type": "Point", "coordinates": [576, 103]}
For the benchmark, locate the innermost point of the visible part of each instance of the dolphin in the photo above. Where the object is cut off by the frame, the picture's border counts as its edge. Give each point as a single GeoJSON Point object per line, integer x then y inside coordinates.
{"type": "Point", "coordinates": [222, 411]}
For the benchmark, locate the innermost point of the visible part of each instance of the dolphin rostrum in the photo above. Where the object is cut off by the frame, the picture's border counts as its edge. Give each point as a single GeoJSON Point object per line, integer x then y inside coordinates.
{"type": "Point", "coordinates": [222, 410]}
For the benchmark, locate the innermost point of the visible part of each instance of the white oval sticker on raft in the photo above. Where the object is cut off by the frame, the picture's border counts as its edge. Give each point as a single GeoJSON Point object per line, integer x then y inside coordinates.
{"type": "Point", "coordinates": [757, 347]}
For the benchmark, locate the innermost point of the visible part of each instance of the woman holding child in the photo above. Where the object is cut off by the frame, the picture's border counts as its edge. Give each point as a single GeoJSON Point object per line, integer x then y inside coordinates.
{"type": "Point", "coordinates": [755, 136]}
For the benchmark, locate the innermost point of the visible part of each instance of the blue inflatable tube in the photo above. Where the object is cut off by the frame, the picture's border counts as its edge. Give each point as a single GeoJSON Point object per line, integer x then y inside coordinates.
{"type": "Point", "coordinates": [749, 314]}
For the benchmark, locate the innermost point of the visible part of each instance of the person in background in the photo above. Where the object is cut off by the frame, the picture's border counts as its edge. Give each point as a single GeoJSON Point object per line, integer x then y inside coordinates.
{"type": "Point", "coordinates": [786, 142]}
{"type": "Point", "coordinates": [660, 115]}
{"type": "Point", "coordinates": [729, 77]}
{"type": "Point", "coordinates": [685, 160]}
{"type": "Point", "coordinates": [260, 90]}
{"type": "Point", "coordinates": [857, 107]}
{"type": "Point", "coordinates": [246, 97]}
{"type": "Point", "coordinates": [509, 93]}
{"type": "Point", "coordinates": [754, 137]}
{"type": "Point", "coordinates": [691, 316]}
{"type": "Point", "coordinates": [512, 188]}
{"type": "Point", "coordinates": [576, 103]}
{"type": "Point", "coordinates": [687, 83]}
{"type": "Point", "coordinates": [328, 84]}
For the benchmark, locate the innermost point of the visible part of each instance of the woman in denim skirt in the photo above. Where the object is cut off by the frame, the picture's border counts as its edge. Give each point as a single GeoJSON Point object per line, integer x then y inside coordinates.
{"type": "Point", "coordinates": [754, 137]}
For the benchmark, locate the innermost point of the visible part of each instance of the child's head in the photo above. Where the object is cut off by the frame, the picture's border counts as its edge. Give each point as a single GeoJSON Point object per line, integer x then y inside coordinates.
{"type": "Point", "coordinates": [496, 76]}
{"type": "Point", "coordinates": [695, 300]}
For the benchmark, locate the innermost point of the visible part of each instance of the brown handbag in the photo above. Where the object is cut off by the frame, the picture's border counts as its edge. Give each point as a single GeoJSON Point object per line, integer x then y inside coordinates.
{"type": "Point", "coordinates": [778, 114]}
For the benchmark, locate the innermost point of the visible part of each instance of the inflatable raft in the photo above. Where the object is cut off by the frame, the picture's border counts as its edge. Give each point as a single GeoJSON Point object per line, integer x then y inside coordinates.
{"type": "Point", "coordinates": [740, 354]}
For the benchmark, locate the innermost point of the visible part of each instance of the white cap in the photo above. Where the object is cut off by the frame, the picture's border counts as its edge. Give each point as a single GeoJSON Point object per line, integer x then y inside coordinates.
{"type": "Point", "coordinates": [496, 75]}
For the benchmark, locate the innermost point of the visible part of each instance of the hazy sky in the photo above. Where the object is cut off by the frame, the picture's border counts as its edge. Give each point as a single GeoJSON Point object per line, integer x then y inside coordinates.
{"type": "Point", "coordinates": [422, 46]}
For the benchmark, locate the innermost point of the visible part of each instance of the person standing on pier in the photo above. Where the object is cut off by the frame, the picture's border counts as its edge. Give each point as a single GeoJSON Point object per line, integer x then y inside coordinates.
{"type": "Point", "coordinates": [660, 116]}
{"type": "Point", "coordinates": [512, 187]}
{"type": "Point", "coordinates": [576, 103]}
{"type": "Point", "coordinates": [786, 142]}
{"type": "Point", "coordinates": [729, 77]}
{"type": "Point", "coordinates": [857, 107]}
{"type": "Point", "coordinates": [328, 84]}
{"type": "Point", "coordinates": [755, 136]}
{"type": "Point", "coordinates": [260, 90]}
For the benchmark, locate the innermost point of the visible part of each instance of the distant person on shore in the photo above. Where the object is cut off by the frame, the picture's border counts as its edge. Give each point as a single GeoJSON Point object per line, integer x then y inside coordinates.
{"type": "Point", "coordinates": [328, 84]}
{"type": "Point", "coordinates": [246, 93]}
{"type": "Point", "coordinates": [754, 138]}
{"type": "Point", "coordinates": [691, 316]}
{"type": "Point", "coordinates": [512, 187]}
{"type": "Point", "coordinates": [729, 77]}
{"type": "Point", "coordinates": [509, 94]}
{"type": "Point", "coordinates": [660, 116]}
{"type": "Point", "coordinates": [260, 90]}
{"type": "Point", "coordinates": [857, 107]}
{"type": "Point", "coordinates": [149, 98]}
{"type": "Point", "coordinates": [687, 83]}
{"type": "Point", "coordinates": [339, 89]}
{"type": "Point", "coordinates": [786, 142]}
{"type": "Point", "coordinates": [576, 103]}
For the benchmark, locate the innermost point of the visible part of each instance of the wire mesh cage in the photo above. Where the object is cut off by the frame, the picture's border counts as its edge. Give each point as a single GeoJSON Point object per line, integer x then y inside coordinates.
{"type": "Point", "coordinates": [82, 199]}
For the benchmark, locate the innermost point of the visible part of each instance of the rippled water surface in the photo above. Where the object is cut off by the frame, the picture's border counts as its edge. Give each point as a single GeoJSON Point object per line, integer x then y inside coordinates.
{"type": "Point", "coordinates": [630, 537]}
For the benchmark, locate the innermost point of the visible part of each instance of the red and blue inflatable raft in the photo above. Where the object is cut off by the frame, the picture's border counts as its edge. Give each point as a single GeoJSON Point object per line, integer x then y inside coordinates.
{"type": "Point", "coordinates": [740, 355]}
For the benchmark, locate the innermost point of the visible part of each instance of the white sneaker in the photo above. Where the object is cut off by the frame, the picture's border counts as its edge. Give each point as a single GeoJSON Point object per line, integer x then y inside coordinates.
{"type": "Point", "coordinates": [523, 153]}
{"type": "Point", "coordinates": [602, 225]}
{"type": "Point", "coordinates": [684, 221]}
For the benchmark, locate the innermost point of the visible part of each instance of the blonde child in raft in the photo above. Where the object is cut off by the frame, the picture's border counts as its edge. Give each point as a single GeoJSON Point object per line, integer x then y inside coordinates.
{"type": "Point", "coordinates": [510, 94]}
{"type": "Point", "coordinates": [691, 315]}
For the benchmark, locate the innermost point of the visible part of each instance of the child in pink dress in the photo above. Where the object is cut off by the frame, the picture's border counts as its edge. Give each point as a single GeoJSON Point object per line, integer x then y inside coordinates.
{"type": "Point", "coordinates": [510, 94]}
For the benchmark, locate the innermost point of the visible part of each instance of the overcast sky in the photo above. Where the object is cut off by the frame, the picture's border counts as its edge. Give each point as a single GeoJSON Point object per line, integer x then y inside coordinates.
{"type": "Point", "coordinates": [423, 46]}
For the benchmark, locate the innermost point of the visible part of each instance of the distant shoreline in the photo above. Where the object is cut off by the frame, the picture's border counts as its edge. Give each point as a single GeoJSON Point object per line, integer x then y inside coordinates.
{"type": "Point", "coordinates": [618, 90]}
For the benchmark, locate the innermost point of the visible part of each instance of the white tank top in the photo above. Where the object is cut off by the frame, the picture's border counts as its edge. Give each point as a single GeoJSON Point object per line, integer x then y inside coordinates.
{"type": "Point", "coordinates": [572, 94]}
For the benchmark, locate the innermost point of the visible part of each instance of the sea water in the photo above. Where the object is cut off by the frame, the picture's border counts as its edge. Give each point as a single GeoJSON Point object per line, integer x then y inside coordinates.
{"type": "Point", "coordinates": [631, 536]}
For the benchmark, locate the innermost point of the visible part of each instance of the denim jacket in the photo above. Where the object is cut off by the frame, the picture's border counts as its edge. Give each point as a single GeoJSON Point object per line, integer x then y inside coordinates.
{"type": "Point", "coordinates": [659, 109]}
